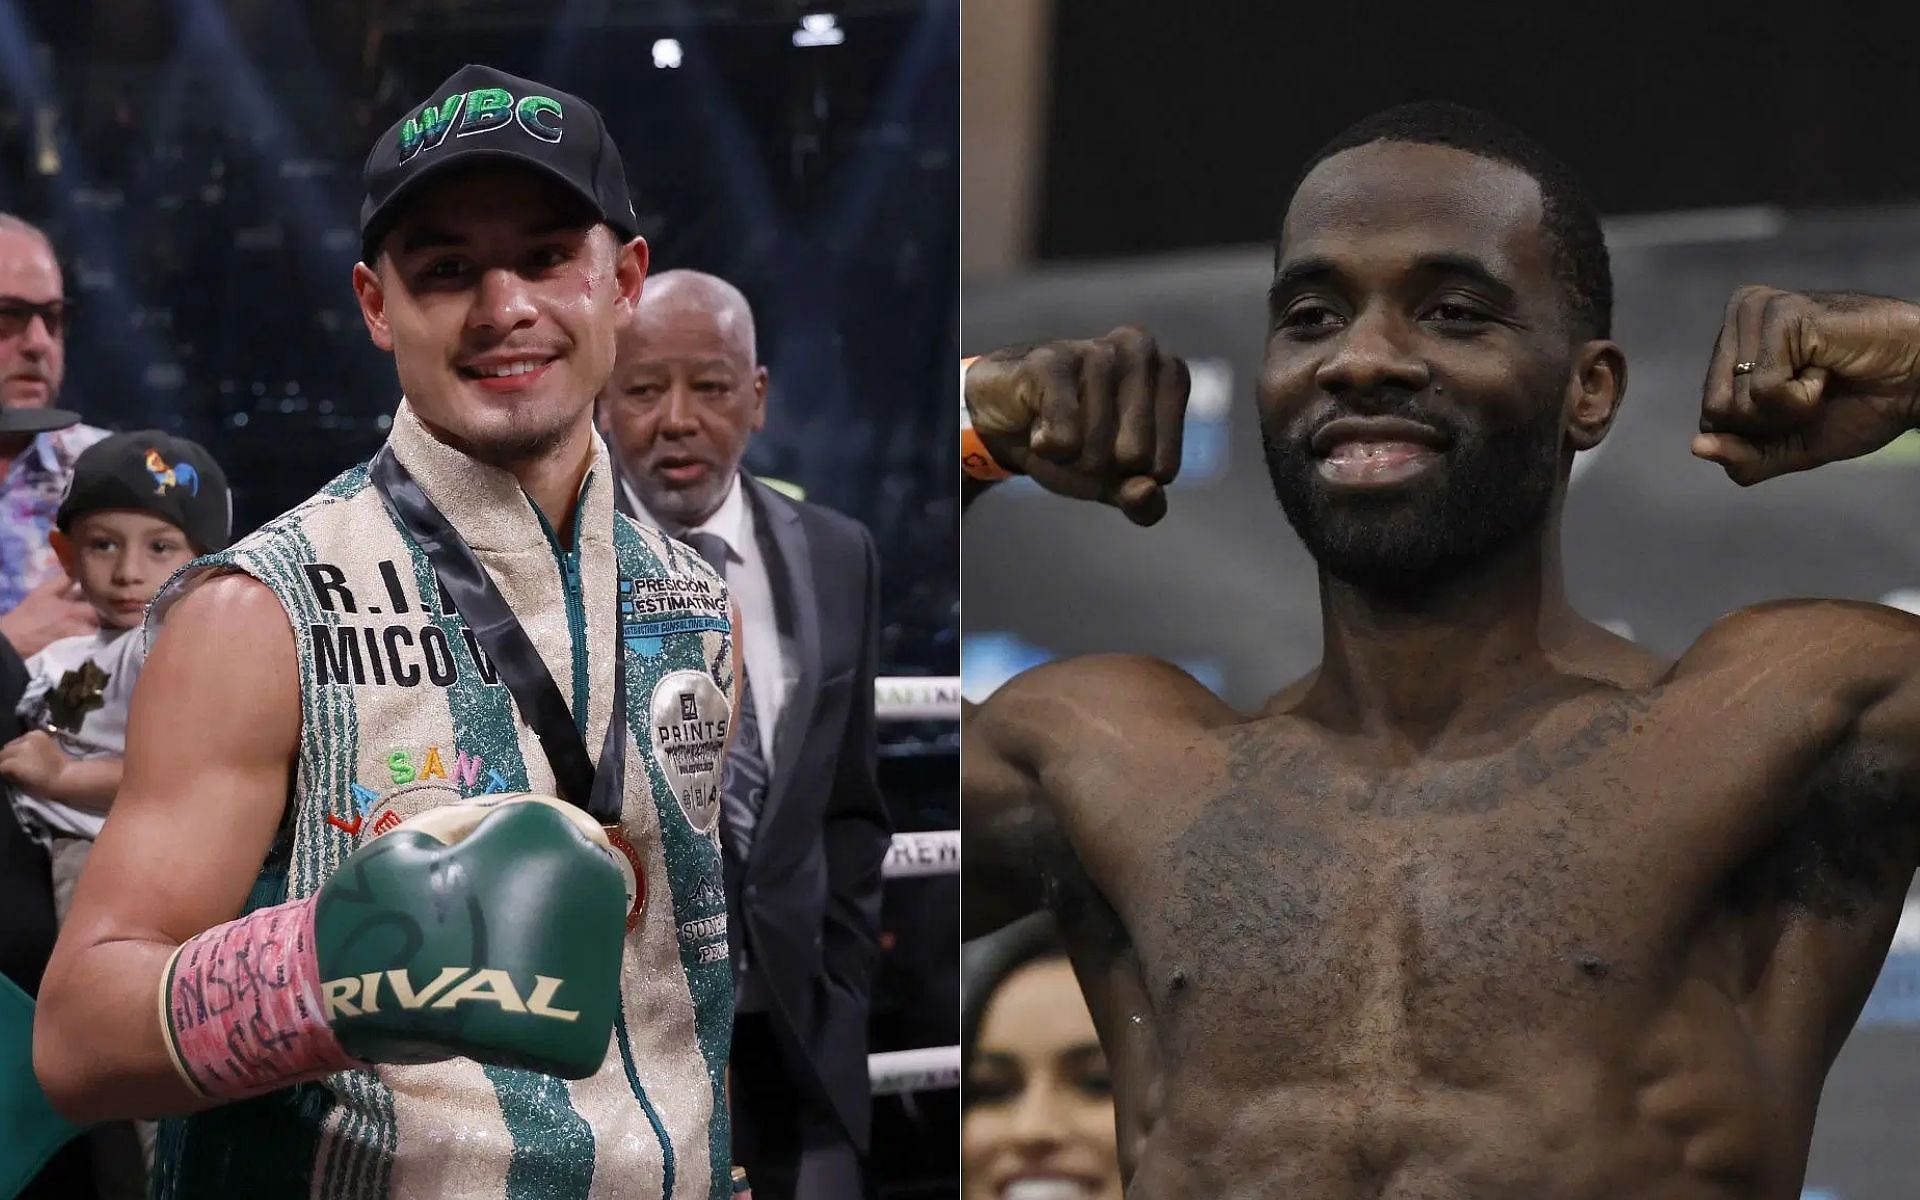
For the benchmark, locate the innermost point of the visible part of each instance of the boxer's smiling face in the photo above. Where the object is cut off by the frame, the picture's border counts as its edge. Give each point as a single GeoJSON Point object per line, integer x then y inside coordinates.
{"type": "Point", "coordinates": [499, 295]}
{"type": "Point", "coordinates": [1419, 357]}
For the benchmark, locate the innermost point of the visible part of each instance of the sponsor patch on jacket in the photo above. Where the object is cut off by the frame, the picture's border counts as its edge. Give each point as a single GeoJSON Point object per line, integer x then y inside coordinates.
{"type": "Point", "coordinates": [688, 727]}
{"type": "Point", "coordinates": [654, 609]}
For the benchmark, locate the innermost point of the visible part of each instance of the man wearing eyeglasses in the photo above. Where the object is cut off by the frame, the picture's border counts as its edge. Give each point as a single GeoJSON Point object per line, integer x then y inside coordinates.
{"type": "Point", "coordinates": [38, 603]}
{"type": "Point", "coordinates": [38, 443]}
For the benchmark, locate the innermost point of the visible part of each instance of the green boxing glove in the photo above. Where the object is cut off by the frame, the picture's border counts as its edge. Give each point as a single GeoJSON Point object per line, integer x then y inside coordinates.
{"type": "Point", "coordinates": [490, 931]}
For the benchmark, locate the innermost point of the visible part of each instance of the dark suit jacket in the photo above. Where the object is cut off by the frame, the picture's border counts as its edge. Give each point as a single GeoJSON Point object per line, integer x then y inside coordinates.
{"type": "Point", "coordinates": [26, 884]}
{"type": "Point", "coordinates": [808, 896]}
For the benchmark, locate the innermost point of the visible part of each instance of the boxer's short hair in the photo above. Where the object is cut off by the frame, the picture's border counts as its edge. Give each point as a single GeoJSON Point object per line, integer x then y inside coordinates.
{"type": "Point", "coordinates": [1574, 240]}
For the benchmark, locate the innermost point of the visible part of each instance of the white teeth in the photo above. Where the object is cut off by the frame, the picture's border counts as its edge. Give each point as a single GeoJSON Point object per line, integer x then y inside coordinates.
{"type": "Point", "coordinates": [519, 368]}
{"type": "Point", "coordinates": [1043, 1189]}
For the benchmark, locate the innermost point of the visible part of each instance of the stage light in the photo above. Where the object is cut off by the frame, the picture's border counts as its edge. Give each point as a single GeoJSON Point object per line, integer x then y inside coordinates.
{"type": "Point", "coordinates": [666, 54]}
{"type": "Point", "coordinates": [819, 29]}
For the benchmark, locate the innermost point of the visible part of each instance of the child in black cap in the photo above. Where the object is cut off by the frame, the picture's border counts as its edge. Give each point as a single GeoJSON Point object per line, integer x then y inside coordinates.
{"type": "Point", "coordinates": [139, 507]}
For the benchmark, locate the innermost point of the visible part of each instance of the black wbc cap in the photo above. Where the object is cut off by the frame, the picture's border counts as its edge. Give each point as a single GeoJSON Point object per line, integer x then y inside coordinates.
{"type": "Point", "coordinates": [483, 115]}
{"type": "Point", "coordinates": [149, 471]}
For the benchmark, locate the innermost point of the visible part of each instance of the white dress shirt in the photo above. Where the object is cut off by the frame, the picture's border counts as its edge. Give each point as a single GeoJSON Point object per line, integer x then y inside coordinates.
{"type": "Point", "coordinates": [752, 588]}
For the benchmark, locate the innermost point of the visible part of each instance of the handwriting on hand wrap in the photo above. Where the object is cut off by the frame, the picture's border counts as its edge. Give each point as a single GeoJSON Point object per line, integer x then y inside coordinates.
{"type": "Point", "coordinates": [243, 1001]}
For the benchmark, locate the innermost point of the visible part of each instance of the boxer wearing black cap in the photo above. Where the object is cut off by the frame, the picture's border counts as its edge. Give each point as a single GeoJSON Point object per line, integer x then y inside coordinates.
{"type": "Point", "coordinates": [433, 986]}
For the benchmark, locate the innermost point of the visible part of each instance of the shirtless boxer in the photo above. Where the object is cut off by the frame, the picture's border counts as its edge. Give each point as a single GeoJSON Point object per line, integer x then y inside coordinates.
{"type": "Point", "coordinates": [1494, 905]}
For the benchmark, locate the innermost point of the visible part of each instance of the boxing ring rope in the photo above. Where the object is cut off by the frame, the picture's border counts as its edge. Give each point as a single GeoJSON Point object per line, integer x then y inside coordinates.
{"type": "Point", "coordinates": [933, 852]}
{"type": "Point", "coordinates": [929, 1070]}
{"type": "Point", "coordinates": [916, 698]}
{"type": "Point", "coordinates": [917, 855]}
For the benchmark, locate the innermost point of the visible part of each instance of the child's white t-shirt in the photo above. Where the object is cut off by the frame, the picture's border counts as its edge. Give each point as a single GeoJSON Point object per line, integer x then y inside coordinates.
{"type": "Point", "coordinates": [78, 689]}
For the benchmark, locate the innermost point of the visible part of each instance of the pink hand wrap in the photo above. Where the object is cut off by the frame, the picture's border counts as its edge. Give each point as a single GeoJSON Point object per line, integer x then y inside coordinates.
{"type": "Point", "coordinates": [241, 1005]}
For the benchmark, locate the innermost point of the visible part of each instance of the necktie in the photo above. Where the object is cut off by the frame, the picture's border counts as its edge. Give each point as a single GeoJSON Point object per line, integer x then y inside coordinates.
{"type": "Point", "coordinates": [744, 776]}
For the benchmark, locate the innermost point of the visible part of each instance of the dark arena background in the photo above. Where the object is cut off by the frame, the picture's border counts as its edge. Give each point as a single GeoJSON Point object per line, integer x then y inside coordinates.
{"type": "Point", "coordinates": [197, 164]}
{"type": "Point", "coordinates": [1129, 164]}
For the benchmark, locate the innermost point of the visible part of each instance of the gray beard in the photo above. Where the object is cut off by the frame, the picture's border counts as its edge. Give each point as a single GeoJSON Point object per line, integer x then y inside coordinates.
{"type": "Point", "coordinates": [681, 509]}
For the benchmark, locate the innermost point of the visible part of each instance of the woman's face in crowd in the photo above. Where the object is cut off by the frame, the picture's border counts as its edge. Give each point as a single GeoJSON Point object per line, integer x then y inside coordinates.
{"type": "Point", "coordinates": [1039, 1117]}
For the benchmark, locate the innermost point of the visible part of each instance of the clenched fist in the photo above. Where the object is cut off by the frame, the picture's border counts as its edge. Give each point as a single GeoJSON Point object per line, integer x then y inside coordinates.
{"type": "Point", "coordinates": [1095, 420]}
{"type": "Point", "coordinates": [1803, 379]}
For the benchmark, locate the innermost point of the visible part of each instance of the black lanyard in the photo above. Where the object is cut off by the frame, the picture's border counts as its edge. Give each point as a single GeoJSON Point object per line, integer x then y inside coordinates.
{"type": "Point", "coordinates": [486, 612]}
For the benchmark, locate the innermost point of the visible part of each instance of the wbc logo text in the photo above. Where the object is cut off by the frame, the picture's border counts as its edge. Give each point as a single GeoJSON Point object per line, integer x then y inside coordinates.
{"type": "Point", "coordinates": [482, 110]}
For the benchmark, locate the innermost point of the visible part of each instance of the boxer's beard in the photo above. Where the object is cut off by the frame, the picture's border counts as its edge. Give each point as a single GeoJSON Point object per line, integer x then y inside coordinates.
{"type": "Point", "coordinates": [516, 446]}
{"type": "Point", "coordinates": [522, 438]}
{"type": "Point", "coordinates": [1494, 485]}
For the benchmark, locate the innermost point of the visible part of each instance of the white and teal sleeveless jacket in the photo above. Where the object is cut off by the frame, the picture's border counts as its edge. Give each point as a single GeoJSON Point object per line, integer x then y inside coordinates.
{"type": "Point", "coordinates": [399, 700]}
